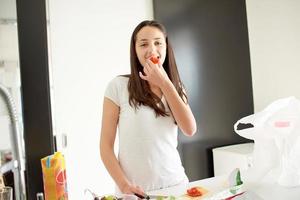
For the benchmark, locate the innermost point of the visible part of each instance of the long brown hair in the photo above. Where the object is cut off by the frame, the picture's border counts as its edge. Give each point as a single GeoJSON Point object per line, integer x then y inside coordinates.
{"type": "Point", "coordinates": [139, 89]}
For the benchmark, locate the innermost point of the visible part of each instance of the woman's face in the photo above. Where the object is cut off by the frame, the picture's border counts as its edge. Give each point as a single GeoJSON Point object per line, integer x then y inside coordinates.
{"type": "Point", "coordinates": [150, 41]}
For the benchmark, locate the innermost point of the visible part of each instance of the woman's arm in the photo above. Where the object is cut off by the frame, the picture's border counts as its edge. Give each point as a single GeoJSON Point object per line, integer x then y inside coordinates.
{"type": "Point", "coordinates": [110, 117]}
{"type": "Point", "coordinates": [181, 110]}
{"type": "Point", "coordinates": [156, 75]}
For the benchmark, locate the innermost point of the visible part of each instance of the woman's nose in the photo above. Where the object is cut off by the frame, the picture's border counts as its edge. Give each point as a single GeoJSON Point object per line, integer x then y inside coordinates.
{"type": "Point", "coordinates": [151, 49]}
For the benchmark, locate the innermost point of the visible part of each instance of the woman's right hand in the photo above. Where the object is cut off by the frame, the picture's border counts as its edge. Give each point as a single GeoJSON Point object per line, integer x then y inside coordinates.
{"type": "Point", "coordinates": [131, 189]}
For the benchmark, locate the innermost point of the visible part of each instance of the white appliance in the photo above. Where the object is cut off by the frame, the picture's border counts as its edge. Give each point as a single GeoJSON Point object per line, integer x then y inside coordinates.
{"type": "Point", "coordinates": [227, 158]}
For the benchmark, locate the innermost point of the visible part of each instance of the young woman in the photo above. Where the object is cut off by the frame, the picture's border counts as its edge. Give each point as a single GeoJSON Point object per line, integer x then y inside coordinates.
{"type": "Point", "coordinates": [147, 106]}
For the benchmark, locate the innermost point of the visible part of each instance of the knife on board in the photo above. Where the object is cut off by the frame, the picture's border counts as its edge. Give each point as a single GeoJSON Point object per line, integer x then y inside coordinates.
{"type": "Point", "coordinates": [150, 196]}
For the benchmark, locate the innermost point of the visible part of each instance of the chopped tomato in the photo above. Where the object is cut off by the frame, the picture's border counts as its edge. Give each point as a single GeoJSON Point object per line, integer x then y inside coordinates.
{"type": "Point", "coordinates": [154, 59]}
{"type": "Point", "coordinates": [194, 192]}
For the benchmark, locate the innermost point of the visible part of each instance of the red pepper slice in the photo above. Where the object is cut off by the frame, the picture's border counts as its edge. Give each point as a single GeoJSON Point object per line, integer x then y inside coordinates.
{"type": "Point", "coordinates": [194, 192]}
{"type": "Point", "coordinates": [154, 59]}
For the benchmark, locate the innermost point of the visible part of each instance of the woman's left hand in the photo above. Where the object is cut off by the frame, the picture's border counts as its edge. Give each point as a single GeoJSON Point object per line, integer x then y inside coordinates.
{"type": "Point", "coordinates": [154, 73]}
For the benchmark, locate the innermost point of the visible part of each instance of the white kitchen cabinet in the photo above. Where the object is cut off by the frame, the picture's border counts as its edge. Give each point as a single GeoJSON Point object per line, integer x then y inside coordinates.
{"type": "Point", "coordinates": [227, 158]}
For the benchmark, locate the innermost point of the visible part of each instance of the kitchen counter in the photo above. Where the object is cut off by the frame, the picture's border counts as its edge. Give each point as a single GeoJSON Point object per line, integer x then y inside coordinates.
{"type": "Point", "coordinates": [267, 191]}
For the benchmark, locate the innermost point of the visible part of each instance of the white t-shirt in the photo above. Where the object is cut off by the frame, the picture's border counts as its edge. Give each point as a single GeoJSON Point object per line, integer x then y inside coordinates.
{"type": "Point", "coordinates": [147, 144]}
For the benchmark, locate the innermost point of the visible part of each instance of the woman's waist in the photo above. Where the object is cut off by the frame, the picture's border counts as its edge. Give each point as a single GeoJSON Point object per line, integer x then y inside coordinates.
{"type": "Point", "coordinates": [153, 178]}
{"type": "Point", "coordinates": [151, 166]}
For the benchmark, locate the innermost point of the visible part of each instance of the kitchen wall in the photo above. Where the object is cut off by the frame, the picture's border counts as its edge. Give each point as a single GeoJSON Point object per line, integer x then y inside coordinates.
{"type": "Point", "coordinates": [274, 29]}
{"type": "Point", "coordinates": [89, 46]}
{"type": "Point", "coordinates": [210, 39]}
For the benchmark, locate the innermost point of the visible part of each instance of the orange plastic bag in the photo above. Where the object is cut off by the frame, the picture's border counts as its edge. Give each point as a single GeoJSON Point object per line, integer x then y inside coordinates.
{"type": "Point", "coordinates": [54, 177]}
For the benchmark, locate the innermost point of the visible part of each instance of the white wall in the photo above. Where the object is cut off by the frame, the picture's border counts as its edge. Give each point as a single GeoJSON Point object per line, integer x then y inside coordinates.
{"type": "Point", "coordinates": [274, 29]}
{"type": "Point", "coordinates": [89, 46]}
{"type": "Point", "coordinates": [9, 68]}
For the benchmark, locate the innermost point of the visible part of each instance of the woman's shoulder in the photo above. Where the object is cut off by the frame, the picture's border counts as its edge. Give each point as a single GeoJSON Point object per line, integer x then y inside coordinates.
{"type": "Point", "coordinates": [124, 77]}
{"type": "Point", "coordinates": [120, 80]}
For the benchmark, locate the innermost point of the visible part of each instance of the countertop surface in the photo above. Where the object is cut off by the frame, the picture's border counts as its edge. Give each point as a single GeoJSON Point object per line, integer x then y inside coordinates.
{"type": "Point", "coordinates": [266, 191]}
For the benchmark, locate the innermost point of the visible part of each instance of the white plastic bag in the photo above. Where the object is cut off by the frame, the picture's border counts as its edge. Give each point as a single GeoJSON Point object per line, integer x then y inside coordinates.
{"type": "Point", "coordinates": [276, 134]}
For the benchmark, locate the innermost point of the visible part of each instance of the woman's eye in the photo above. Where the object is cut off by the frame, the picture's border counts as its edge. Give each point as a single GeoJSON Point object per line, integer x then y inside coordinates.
{"type": "Point", "coordinates": [158, 43]}
{"type": "Point", "coordinates": [143, 45]}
